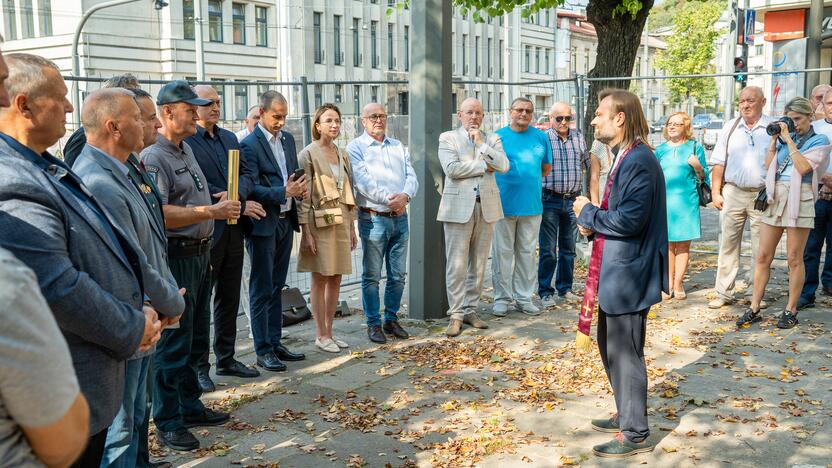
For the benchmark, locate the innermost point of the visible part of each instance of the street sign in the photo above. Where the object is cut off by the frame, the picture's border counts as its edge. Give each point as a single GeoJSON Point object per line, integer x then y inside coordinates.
{"type": "Point", "coordinates": [750, 19]}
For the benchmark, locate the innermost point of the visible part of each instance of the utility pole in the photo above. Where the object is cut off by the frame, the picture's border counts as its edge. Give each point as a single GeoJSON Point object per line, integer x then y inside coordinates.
{"type": "Point", "coordinates": [198, 46]}
{"type": "Point", "coordinates": [813, 43]}
{"type": "Point", "coordinates": [732, 53]}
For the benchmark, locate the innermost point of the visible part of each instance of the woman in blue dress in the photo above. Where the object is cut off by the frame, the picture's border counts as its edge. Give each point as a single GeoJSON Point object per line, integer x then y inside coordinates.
{"type": "Point", "coordinates": [684, 166]}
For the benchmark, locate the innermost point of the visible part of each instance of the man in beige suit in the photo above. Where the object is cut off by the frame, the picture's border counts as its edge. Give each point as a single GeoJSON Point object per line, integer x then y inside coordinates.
{"type": "Point", "coordinates": [469, 208]}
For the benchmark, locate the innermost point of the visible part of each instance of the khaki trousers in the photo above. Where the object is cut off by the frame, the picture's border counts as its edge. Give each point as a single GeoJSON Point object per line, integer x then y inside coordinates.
{"type": "Point", "coordinates": [512, 259]}
{"type": "Point", "coordinates": [466, 252]}
{"type": "Point", "coordinates": [738, 207]}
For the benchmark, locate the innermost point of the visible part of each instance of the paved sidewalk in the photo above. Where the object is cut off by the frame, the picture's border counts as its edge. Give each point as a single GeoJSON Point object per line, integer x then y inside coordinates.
{"type": "Point", "coordinates": [518, 394]}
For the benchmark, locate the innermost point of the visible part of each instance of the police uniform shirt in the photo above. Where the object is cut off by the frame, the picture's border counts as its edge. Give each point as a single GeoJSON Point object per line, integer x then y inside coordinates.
{"type": "Point", "coordinates": [180, 182]}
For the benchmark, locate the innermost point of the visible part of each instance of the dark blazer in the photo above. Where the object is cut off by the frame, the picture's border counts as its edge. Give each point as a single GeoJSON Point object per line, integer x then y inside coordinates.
{"type": "Point", "coordinates": [269, 186]}
{"type": "Point", "coordinates": [74, 146]}
{"type": "Point", "coordinates": [92, 285]}
{"type": "Point", "coordinates": [634, 266]}
{"type": "Point", "coordinates": [130, 211]}
{"type": "Point", "coordinates": [216, 172]}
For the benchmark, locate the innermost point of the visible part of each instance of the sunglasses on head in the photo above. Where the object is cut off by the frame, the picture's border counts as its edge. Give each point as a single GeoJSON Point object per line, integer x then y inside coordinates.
{"type": "Point", "coordinates": [561, 118]}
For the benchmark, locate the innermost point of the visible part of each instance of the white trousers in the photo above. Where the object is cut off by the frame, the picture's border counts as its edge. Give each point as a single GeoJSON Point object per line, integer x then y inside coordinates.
{"type": "Point", "coordinates": [512, 259]}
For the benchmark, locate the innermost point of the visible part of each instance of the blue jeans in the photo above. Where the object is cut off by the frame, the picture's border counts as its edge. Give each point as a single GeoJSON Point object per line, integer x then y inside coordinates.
{"type": "Point", "coordinates": [122, 444]}
{"type": "Point", "coordinates": [383, 239]}
{"type": "Point", "coordinates": [558, 231]}
{"type": "Point", "coordinates": [811, 254]}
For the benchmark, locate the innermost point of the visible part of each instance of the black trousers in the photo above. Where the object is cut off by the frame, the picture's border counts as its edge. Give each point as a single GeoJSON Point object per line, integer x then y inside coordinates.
{"type": "Point", "coordinates": [175, 388]}
{"type": "Point", "coordinates": [621, 342]}
{"type": "Point", "coordinates": [92, 455]}
{"type": "Point", "coordinates": [227, 266]}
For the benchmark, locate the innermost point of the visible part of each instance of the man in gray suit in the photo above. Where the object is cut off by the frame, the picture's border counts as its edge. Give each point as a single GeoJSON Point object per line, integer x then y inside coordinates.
{"type": "Point", "coordinates": [469, 208]}
{"type": "Point", "coordinates": [88, 270]}
{"type": "Point", "coordinates": [115, 129]}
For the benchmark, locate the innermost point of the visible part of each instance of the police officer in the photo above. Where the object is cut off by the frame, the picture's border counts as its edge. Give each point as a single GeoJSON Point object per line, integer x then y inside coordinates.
{"type": "Point", "coordinates": [189, 224]}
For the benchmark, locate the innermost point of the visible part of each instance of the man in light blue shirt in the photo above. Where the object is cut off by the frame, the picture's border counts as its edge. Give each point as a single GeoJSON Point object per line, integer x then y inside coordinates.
{"type": "Point", "coordinates": [385, 183]}
{"type": "Point", "coordinates": [530, 157]}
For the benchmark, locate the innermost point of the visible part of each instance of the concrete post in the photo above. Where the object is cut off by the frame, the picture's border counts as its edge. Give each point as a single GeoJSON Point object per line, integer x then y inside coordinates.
{"type": "Point", "coordinates": [305, 111]}
{"type": "Point", "coordinates": [430, 88]}
{"type": "Point", "coordinates": [813, 42]}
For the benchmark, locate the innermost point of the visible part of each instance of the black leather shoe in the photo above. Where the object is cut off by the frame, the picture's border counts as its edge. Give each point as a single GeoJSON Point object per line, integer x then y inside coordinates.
{"type": "Point", "coordinates": [161, 464]}
{"type": "Point", "coordinates": [205, 383]}
{"type": "Point", "coordinates": [208, 417]}
{"type": "Point", "coordinates": [270, 362]}
{"type": "Point", "coordinates": [180, 439]}
{"type": "Point", "coordinates": [285, 355]}
{"type": "Point", "coordinates": [238, 369]}
{"type": "Point", "coordinates": [827, 290]}
{"type": "Point", "coordinates": [393, 328]}
{"type": "Point", "coordinates": [376, 335]}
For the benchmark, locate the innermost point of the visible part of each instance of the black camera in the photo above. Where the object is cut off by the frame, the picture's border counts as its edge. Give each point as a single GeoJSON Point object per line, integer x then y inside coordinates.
{"type": "Point", "coordinates": [774, 127]}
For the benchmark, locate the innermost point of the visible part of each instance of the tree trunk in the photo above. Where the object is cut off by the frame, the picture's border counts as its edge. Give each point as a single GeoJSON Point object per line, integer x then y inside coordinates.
{"type": "Point", "coordinates": [619, 37]}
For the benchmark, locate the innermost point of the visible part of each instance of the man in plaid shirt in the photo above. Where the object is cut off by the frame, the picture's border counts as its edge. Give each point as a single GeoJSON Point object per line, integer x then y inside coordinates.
{"type": "Point", "coordinates": [558, 228]}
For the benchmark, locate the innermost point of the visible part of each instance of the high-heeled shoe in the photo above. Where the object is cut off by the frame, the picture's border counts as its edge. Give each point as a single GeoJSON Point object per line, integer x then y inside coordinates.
{"type": "Point", "coordinates": [681, 295]}
{"type": "Point", "coordinates": [666, 297]}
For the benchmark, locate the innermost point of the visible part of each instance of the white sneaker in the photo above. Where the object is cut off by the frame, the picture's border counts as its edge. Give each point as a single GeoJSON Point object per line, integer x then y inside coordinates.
{"type": "Point", "coordinates": [529, 309]}
{"type": "Point", "coordinates": [500, 309]}
{"type": "Point", "coordinates": [327, 345]}
{"type": "Point", "coordinates": [340, 343]}
{"type": "Point", "coordinates": [763, 304]}
{"type": "Point", "coordinates": [570, 296]}
{"type": "Point", "coordinates": [719, 302]}
{"type": "Point", "coordinates": [549, 300]}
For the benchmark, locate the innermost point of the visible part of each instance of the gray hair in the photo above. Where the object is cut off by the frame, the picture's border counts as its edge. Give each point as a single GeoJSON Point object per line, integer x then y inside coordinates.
{"type": "Point", "coordinates": [799, 105]}
{"type": "Point", "coordinates": [127, 81]}
{"type": "Point", "coordinates": [520, 99]}
{"type": "Point", "coordinates": [268, 97]}
{"type": "Point", "coordinates": [101, 105]}
{"type": "Point", "coordinates": [26, 74]}
{"type": "Point", "coordinates": [253, 110]}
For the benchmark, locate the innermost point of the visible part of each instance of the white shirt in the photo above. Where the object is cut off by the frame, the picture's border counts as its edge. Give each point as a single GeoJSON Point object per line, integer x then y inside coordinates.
{"type": "Point", "coordinates": [280, 158]}
{"type": "Point", "coordinates": [824, 127]}
{"type": "Point", "coordinates": [242, 134]}
{"type": "Point", "coordinates": [380, 169]}
{"type": "Point", "coordinates": [747, 153]}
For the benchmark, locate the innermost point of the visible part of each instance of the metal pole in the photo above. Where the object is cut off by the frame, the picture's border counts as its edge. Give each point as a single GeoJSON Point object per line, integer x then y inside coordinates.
{"type": "Point", "coordinates": [305, 112]}
{"type": "Point", "coordinates": [430, 85]}
{"type": "Point", "coordinates": [732, 53]}
{"type": "Point", "coordinates": [580, 102]}
{"type": "Point", "coordinates": [76, 60]}
{"type": "Point", "coordinates": [646, 86]}
{"type": "Point", "coordinates": [813, 43]}
{"type": "Point", "coordinates": [198, 45]}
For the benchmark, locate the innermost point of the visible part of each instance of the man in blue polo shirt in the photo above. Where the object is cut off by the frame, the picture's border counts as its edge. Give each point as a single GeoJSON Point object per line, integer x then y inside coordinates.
{"type": "Point", "coordinates": [530, 157]}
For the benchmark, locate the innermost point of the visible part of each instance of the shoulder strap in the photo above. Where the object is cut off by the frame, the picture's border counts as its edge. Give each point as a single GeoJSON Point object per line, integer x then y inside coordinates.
{"type": "Point", "coordinates": [728, 140]}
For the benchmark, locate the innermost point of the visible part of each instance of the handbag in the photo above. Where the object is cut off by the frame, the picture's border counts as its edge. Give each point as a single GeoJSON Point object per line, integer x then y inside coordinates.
{"type": "Point", "coordinates": [325, 217]}
{"type": "Point", "coordinates": [295, 309]}
{"type": "Point", "coordinates": [703, 190]}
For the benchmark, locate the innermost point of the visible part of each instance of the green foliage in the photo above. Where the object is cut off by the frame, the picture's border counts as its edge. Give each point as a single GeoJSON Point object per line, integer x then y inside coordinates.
{"type": "Point", "coordinates": [690, 50]}
{"type": "Point", "coordinates": [661, 15]}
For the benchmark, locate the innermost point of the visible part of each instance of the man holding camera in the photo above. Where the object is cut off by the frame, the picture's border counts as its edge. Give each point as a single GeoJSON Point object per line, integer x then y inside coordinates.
{"type": "Point", "coordinates": [736, 178]}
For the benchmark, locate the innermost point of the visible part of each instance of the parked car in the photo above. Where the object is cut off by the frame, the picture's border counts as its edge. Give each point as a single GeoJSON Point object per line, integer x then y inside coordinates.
{"type": "Point", "coordinates": [710, 134]}
{"type": "Point", "coordinates": [543, 123]}
{"type": "Point", "coordinates": [700, 121]}
{"type": "Point", "coordinates": [658, 125]}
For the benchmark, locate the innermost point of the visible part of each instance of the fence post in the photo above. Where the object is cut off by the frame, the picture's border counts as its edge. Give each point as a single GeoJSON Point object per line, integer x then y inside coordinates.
{"type": "Point", "coordinates": [305, 112]}
{"type": "Point", "coordinates": [580, 101]}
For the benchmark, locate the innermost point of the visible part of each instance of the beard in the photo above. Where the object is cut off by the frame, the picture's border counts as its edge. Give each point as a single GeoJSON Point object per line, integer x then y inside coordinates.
{"type": "Point", "coordinates": [603, 138]}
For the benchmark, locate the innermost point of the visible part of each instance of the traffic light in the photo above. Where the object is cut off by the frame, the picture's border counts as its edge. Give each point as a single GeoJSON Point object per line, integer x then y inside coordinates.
{"type": "Point", "coordinates": [741, 70]}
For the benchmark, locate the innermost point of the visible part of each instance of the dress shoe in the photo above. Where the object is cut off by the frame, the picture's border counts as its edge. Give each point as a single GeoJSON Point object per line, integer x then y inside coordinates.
{"type": "Point", "coordinates": [339, 342]}
{"type": "Point", "coordinates": [393, 328]}
{"type": "Point", "coordinates": [159, 464]}
{"type": "Point", "coordinates": [180, 439]}
{"type": "Point", "coordinates": [622, 447]}
{"type": "Point", "coordinates": [606, 425]}
{"type": "Point", "coordinates": [238, 369]}
{"type": "Point", "coordinates": [270, 362]}
{"type": "Point", "coordinates": [205, 382]}
{"type": "Point", "coordinates": [375, 334]}
{"type": "Point", "coordinates": [454, 327]}
{"type": "Point", "coordinates": [475, 321]}
{"type": "Point", "coordinates": [208, 417]}
{"type": "Point", "coordinates": [326, 344]}
{"type": "Point", "coordinates": [719, 302]}
{"type": "Point", "coordinates": [285, 355]}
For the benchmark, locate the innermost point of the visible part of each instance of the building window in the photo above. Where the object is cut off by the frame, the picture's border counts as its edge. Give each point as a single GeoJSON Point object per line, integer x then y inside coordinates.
{"type": "Point", "coordinates": [500, 58]}
{"type": "Point", "coordinates": [238, 18]}
{"type": "Point", "coordinates": [219, 85]}
{"type": "Point", "coordinates": [758, 49]}
{"type": "Point", "coordinates": [500, 102]}
{"type": "Point", "coordinates": [10, 20]}
{"type": "Point", "coordinates": [356, 98]}
{"type": "Point", "coordinates": [316, 37]}
{"type": "Point", "coordinates": [261, 88]}
{"type": "Point", "coordinates": [407, 48]}
{"type": "Point", "coordinates": [215, 20]}
{"type": "Point", "coordinates": [574, 61]}
{"type": "Point", "coordinates": [319, 98]}
{"type": "Point", "coordinates": [188, 18]}
{"type": "Point", "coordinates": [356, 54]}
{"type": "Point", "coordinates": [45, 17]}
{"type": "Point", "coordinates": [240, 101]}
{"type": "Point", "coordinates": [464, 54]}
{"type": "Point", "coordinates": [338, 93]}
{"type": "Point", "coordinates": [488, 107]}
{"type": "Point", "coordinates": [261, 28]}
{"type": "Point", "coordinates": [586, 62]}
{"type": "Point", "coordinates": [548, 18]}
{"type": "Point", "coordinates": [27, 19]}
{"type": "Point", "coordinates": [488, 56]}
{"type": "Point", "coordinates": [404, 103]}
{"type": "Point", "coordinates": [374, 42]}
{"type": "Point", "coordinates": [374, 93]}
{"type": "Point", "coordinates": [547, 70]}
{"type": "Point", "coordinates": [390, 60]}
{"type": "Point", "coordinates": [528, 59]}
{"type": "Point", "coordinates": [501, 19]}
{"type": "Point", "coordinates": [477, 55]}
{"type": "Point", "coordinates": [336, 33]}
{"type": "Point", "coordinates": [537, 59]}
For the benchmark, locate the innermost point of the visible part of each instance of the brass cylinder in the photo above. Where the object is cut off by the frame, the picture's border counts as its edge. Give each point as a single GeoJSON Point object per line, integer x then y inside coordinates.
{"type": "Point", "coordinates": [233, 178]}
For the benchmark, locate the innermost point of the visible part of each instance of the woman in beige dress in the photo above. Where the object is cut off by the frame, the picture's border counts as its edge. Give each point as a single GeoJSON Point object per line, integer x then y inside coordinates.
{"type": "Point", "coordinates": [327, 221]}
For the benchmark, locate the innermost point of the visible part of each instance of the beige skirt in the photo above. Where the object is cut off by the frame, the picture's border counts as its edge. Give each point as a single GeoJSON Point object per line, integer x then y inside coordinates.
{"type": "Point", "coordinates": [777, 213]}
{"type": "Point", "coordinates": [334, 255]}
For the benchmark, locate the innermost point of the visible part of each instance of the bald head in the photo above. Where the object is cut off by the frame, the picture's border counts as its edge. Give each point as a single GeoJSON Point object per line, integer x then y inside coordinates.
{"type": "Point", "coordinates": [372, 108]}
{"type": "Point", "coordinates": [208, 116]}
{"type": "Point", "coordinates": [470, 113]}
{"type": "Point", "coordinates": [104, 105]}
{"type": "Point", "coordinates": [113, 122]}
{"type": "Point", "coordinates": [752, 102]}
{"type": "Point", "coordinates": [560, 117]}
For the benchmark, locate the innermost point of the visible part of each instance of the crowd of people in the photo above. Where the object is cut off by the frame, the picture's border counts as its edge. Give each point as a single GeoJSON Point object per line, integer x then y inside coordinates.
{"type": "Point", "coordinates": [114, 252]}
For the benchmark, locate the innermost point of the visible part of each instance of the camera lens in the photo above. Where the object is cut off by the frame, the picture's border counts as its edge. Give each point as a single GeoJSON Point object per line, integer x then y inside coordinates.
{"type": "Point", "coordinates": [773, 128]}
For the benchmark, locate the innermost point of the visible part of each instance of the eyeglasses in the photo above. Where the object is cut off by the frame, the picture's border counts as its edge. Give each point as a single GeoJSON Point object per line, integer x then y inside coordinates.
{"type": "Point", "coordinates": [523, 111]}
{"type": "Point", "coordinates": [562, 118]}
{"type": "Point", "coordinates": [750, 137]}
{"type": "Point", "coordinates": [377, 117]}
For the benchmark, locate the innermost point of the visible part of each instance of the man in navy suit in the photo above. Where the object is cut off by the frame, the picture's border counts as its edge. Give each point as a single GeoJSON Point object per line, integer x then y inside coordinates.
{"type": "Point", "coordinates": [210, 145]}
{"type": "Point", "coordinates": [272, 158]}
{"type": "Point", "coordinates": [630, 235]}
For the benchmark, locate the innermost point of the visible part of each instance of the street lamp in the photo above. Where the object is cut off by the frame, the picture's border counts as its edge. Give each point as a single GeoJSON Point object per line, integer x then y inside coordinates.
{"type": "Point", "coordinates": [76, 60]}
